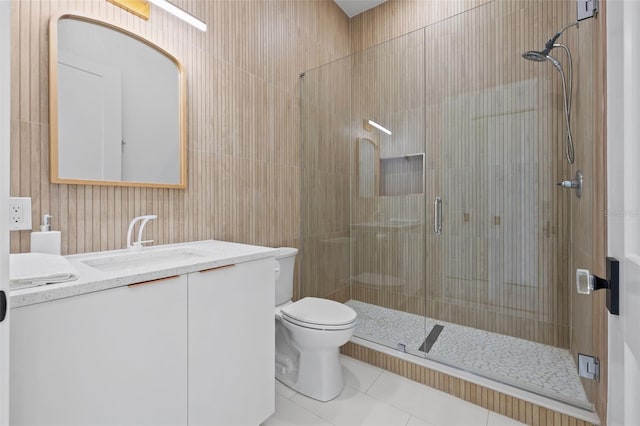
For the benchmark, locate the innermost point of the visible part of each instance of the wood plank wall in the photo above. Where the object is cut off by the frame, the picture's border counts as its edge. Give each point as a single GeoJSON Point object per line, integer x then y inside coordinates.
{"type": "Point", "coordinates": [243, 122]}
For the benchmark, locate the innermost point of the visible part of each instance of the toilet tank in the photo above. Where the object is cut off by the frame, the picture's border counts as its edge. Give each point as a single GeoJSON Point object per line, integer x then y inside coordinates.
{"type": "Point", "coordinates": [286, 257]}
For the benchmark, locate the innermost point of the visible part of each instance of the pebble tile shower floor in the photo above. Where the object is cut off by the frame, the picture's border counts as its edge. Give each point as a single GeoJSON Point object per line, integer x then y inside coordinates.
{"type": "Point", "coordinates": [539, 368]}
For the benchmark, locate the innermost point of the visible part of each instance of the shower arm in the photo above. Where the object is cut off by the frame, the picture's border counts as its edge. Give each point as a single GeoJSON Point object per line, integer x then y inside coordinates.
{"type": "Point", "coordinates": [551, 43]}
{"type": "Point", "coordinates": [575, 24]}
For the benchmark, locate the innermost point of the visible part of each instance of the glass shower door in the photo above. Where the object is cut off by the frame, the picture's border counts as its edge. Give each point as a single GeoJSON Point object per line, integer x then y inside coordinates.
{"type": "Point", "coordinates": [388, 192]}
{"type": "Point", "coordinates": [501, 287]}
{"type": "Point", "coordinates": [325, 158]}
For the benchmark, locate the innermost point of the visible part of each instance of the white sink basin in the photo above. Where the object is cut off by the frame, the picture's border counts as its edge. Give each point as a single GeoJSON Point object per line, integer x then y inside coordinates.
{"type": "Point", "coordinates": [148, 258]}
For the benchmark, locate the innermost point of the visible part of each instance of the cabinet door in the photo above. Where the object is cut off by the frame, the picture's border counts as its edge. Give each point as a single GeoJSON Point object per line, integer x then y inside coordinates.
{"type": "Point", "coordinates": [231, 344]}
{"type": "Point", "coordinates": [113, 357]}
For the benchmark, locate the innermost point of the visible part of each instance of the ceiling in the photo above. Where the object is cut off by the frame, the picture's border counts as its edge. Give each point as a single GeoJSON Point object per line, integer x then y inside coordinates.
{"type": "Point", "coordinates": [355, 7]}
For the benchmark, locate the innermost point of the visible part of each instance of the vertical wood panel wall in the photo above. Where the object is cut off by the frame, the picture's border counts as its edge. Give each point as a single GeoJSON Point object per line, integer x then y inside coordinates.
{"type": "Point", "coordinates": [243, 122]}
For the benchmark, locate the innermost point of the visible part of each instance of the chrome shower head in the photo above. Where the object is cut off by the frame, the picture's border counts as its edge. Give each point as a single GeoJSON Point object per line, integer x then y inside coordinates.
{"type": "Point", "coordinates": [534, 55]}
{"type": "Point", "coordinates": [543, 56]}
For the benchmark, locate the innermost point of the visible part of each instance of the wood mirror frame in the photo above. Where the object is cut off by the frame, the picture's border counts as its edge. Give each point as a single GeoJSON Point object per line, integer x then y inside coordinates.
{"type": "Point", "coordinates": [54, 113]}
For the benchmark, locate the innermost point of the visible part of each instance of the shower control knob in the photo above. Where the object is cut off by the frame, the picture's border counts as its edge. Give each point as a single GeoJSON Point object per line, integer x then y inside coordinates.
{"type": "Point", "coordinates": [569, 184]}
{"type": "Point", "coordinates": [573, 183]}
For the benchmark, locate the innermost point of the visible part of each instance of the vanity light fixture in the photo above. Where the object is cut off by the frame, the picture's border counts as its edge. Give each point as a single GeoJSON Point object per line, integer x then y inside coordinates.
{"type": "Point", "coordinates": [380, 127]}
{"type": "Point", "coordinates": [180, 13]}
{"type": "Point", "coordinates": [140, 8]}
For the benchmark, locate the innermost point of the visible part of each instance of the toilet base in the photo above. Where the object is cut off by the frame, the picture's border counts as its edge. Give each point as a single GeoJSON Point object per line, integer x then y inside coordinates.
{"type": "Point", "coordinates": [319, 375]}
{"type": "Point", "coordinates": [308, 360]}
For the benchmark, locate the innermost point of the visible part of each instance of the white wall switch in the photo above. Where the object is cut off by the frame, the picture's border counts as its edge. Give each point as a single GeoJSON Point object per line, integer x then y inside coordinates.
{"type": "Point", "coordinates": [20, 213]}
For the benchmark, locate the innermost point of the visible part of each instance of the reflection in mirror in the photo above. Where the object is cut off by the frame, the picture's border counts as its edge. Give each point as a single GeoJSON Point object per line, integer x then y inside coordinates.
{"type": "Point", "coordinates": [117, 107]}
{"type": "Point", "coordinates": [368, 168]}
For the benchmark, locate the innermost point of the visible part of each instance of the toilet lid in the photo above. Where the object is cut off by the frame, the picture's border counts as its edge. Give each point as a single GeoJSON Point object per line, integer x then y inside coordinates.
{"type": "Point", "coordinates": [312, 310]}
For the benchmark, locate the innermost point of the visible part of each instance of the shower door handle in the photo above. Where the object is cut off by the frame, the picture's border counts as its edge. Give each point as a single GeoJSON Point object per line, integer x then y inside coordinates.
{"type": "Point", "coordinates": [437, 214]}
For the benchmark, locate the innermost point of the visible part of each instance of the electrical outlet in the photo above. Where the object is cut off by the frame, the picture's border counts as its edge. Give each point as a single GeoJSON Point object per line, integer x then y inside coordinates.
{"type": "Point", "coordinates": [20, 214]}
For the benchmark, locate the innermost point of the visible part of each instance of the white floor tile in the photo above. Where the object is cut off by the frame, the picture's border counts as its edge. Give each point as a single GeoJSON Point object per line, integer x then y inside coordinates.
{"type": "Point", "coordinates": [374, 397]}
{"type": "Point", "coordinates": [426, 403]}
{"type": "Point", "coordinates": [284, 390]}
{"type": "Point", "coordinates": [290, 414]}
{"type": "Point", "coordinates": [499, 420]}
{"type": "Point", "coordinates": [354, 408]}
{"type": "Point", "coordinates": [357, 374]}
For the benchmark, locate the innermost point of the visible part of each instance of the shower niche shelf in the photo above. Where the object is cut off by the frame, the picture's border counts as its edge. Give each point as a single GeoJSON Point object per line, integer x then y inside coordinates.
{"type": "Point", "coordinates": [402, 175]}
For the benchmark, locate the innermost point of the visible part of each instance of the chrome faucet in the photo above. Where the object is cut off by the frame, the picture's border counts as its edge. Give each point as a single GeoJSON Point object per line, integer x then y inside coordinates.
{"type": "Point", "coordinates": [137, 245]}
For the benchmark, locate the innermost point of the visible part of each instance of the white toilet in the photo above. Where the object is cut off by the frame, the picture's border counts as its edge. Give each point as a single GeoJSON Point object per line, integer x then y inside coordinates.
{"type": "Point", "coordinates": [309, 333]}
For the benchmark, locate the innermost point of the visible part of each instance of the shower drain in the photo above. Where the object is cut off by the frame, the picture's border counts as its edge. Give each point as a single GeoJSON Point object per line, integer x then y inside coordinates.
{"type": "Point", "coordinates": [431, 338]}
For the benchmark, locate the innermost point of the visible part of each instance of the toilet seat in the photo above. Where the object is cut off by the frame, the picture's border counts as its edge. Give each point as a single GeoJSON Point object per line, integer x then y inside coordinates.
{"type": "Point", "coordinates": [319, 327]}
{"type": "Point", "coordinates": [319, 314]}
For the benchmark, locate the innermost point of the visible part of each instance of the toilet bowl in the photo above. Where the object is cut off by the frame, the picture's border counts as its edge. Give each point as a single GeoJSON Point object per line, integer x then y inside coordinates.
{"type": "Point", "coordinates": [309, 334]}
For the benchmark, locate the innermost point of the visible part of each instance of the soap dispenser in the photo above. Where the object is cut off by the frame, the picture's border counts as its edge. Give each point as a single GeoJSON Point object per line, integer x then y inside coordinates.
{"type": "Point", "coordinates": [45, 241]}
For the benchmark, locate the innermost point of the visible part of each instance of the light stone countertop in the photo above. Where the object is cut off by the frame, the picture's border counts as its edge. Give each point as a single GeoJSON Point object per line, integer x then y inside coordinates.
{"type": "Point", "coordinates": [206, 255]}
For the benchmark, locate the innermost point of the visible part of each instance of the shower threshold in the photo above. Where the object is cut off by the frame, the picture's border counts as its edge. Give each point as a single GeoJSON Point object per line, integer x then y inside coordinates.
{"type": "Point", "coordinates": [543, 374]}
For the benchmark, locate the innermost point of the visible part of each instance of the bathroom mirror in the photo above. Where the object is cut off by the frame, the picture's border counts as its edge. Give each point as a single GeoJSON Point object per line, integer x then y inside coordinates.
{"type": "Point", "coordinates": [117, 107]}
{"type": "Point", "coordinates": [368, 156]}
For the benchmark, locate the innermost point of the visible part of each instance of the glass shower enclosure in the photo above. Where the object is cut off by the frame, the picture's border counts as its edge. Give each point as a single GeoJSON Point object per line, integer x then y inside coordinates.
{"type": "Point", "coordinates": [445, 229]}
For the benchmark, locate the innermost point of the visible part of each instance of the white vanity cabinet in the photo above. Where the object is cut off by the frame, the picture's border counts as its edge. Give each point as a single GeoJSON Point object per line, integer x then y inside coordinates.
{"type": "Point", "coordinates": [231, 344]}
{"type": "Point", "coordinates": [112, 357]}
{"type": "Point", "coordinates": [195, 349]}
